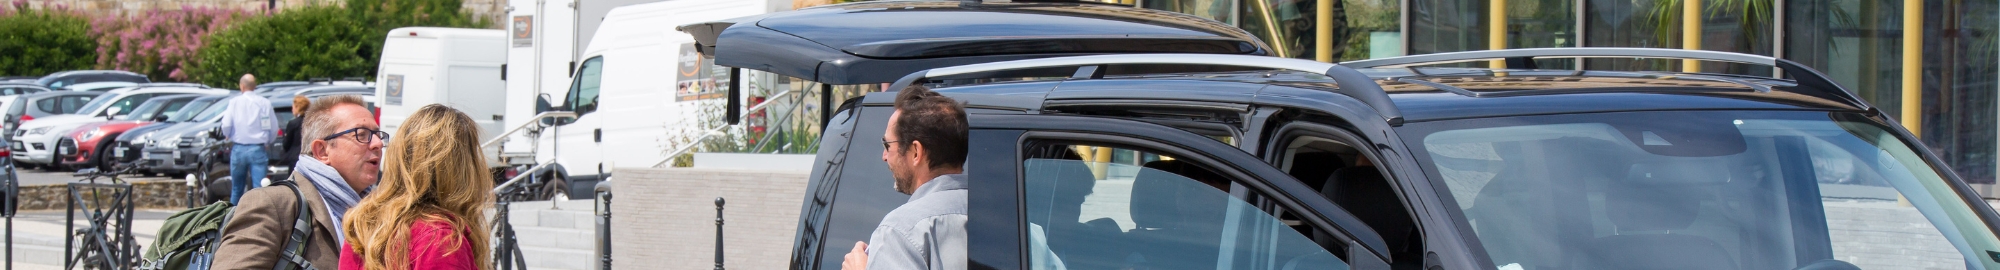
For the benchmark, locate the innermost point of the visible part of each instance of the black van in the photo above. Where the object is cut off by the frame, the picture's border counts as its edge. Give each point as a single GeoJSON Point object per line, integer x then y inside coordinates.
{"type": "Point", "coordinates": [1112, 137]}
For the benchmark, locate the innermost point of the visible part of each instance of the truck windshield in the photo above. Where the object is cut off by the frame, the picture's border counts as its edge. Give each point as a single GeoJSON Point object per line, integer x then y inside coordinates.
{"type": "Point", "coordinates": [1700, 190]}
{"type": "Point", "coordinates": [188, 112]}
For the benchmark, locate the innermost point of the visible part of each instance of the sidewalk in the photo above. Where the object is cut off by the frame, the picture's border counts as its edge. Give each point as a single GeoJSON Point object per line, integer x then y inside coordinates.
{"type": "Point", "coordinates": [38, 235]}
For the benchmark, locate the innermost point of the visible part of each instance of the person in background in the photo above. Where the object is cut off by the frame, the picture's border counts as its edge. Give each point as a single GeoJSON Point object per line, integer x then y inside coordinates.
{"type": "Point", "coordinates": [249, 125]}
{"type": "Point", "coordinates": [290, 155]}
{"type": "Point", "coordinates": [924, 145]}
{"type": "Point", "coordinates": [429, 211]}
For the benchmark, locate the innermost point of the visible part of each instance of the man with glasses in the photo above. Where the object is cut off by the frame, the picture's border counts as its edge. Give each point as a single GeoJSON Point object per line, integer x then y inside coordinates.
{"type": "Point", "coordinates": [925, 147]}
{"type": "Point", "coordinates": [249, 125]}
{"type": "Point", "coordinates": [341, 163]}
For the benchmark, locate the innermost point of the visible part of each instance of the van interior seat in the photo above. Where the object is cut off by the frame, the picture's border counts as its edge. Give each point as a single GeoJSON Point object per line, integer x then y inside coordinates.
{"type": "Point", "coordinates": [1313, 168]}
{"type": "Point", "coordinates": [1177, 222]}
{"type": "Point", "coordinates": [1057, 190]}
{"type": "Point", "coordinates": [1363, 192]}
{"type": "Point", "coordinates": [1646, 217]}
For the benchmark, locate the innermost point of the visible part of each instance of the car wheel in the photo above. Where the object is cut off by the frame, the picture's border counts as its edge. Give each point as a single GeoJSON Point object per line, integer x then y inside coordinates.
{"type": "Point", "coordinates": [105, 161]}
{"type": "Point", "coordinates": [556, 189]}
{"type": "Point", "coordinates": [217, 187]}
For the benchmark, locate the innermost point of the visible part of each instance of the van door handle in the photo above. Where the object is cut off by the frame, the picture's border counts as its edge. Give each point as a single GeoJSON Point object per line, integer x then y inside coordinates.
{"type": "Point", "coordinates": [597, 135]}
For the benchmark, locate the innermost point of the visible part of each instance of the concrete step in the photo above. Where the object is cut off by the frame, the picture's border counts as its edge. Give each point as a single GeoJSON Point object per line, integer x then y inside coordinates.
{"type": "Point", "coordinates": [557, 238]}
{"type": "Point", "coordinates": [38, 254]}
{"type": "Point", "coordinates": [555, 258]}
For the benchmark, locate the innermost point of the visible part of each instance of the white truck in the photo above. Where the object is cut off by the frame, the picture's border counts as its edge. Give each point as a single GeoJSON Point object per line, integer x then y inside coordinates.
{"type": "Point", "coordinates": [614, 65]}
{"type": "Point", "coordinates": [452, 66]}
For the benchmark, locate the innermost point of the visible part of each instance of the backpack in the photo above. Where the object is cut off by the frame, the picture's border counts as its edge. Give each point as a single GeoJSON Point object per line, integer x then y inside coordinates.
{"type": "Point", "coordinates": [188, 240]}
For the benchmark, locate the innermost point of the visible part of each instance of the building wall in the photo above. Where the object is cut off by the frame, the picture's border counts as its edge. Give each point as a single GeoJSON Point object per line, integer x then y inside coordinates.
{"type": "Point", "coordinates": [665, 218]}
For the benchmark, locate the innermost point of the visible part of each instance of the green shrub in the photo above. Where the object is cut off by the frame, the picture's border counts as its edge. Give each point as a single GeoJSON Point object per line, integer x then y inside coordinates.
{"type": "Point", "coordinates": [309, 42]}
{"type": "Point", "coordinates": [39, 41]}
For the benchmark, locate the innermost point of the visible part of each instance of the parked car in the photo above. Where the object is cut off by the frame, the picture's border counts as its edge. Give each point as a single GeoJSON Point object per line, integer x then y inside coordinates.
{"type": "Point", "coordinates": [31, 106]}
{"type": "Point", "coordinates": [1215, 161]}
{"type": "Point", "coordinates": [20, 88]}
{"type": "Point", "coordinates": [67, 78]}
{"type": "Point", "coordinates": [49, 130]}
{"type": "Point", "coordinates": [201, 145]}
{"type": "Point", "coordinates": [81, 148]}
{"type": "Point", "coordinates": [98, 86]}
{"type": "Point", "coordinates": [132, 145]}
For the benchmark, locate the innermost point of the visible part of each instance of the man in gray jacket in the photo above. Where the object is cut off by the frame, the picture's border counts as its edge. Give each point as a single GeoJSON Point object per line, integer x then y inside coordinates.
{"type": "Point", "coordinates": [925, 147]}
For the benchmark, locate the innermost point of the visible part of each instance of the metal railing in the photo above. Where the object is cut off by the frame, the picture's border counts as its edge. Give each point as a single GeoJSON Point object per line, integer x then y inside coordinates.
{"type": "Point", "coordinates": [710, 132]}
{"type": "Point", "coordinates": [532, 122]}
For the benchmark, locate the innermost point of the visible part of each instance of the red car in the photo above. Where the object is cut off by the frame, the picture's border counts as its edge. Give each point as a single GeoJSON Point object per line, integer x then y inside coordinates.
{"type": "Point", "coordinates": [80, 147]}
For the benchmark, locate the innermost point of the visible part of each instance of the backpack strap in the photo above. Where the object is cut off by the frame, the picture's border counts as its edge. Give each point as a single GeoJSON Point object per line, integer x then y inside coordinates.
{"type": "Point", "coordinates": [293, 256]}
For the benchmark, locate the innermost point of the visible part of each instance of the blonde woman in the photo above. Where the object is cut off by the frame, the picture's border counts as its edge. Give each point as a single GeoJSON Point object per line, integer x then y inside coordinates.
{"type": "Point", "coordinates": [428, 210]}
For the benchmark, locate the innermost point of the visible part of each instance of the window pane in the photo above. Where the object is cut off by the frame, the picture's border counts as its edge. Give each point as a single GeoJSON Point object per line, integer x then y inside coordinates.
{"type": "Point", "coordinates": [1452, 26]}
{"type": "Point", "coordinates": [1962, 70]}
{"type": "Point", "coordinates": [1729, 26]}
{"type": "Point", "coordinates": [1165, 214]}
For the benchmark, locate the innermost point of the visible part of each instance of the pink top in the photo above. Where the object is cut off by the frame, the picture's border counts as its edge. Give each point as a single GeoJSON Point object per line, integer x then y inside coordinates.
{"type": "Point", "coordinates": [427, 249]}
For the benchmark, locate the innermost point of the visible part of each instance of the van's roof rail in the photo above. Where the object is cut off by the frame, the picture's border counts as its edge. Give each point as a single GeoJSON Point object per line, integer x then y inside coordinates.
{"type": "Point", "coordinates": [1352, 83]}
{"type": "Point", "coordinates": [1815, 84]}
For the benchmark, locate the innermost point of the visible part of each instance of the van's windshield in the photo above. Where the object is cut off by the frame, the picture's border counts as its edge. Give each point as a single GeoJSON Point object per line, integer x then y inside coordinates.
{"type": "Point", "coordinates": [1700, 190]}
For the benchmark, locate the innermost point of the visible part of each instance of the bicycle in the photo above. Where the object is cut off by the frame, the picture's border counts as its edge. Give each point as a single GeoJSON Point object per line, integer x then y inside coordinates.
{"type": "Point", "coordinates": [106, 242]}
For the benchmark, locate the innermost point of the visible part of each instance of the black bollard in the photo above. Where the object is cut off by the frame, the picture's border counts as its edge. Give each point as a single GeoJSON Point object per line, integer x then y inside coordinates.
{"type": "Point", "coordinates": [718, 233]}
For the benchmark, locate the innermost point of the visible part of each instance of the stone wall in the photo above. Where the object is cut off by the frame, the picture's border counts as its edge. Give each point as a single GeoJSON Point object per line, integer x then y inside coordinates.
{"type": "Point", "coordinates": [149, 195]}
{"type": "Point", "coordinates": [665, 218]}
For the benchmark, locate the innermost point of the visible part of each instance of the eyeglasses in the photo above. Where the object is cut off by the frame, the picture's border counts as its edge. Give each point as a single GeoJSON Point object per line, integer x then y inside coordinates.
{"type": "Point", "coordinates": [886, 142]}
{"type": "Point", "coordinates": [361, 135]}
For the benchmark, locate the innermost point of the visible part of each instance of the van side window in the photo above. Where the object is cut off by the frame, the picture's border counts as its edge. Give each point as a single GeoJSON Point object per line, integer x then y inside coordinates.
{"type": "Point", "coordinates": [583, 93]}
{"type": "Point", "coordinates": [1096, 207]}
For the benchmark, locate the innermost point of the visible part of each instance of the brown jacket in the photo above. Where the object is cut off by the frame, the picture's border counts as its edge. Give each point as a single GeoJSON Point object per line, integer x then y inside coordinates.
{"type": "Point", "coordinates": [261, 222]}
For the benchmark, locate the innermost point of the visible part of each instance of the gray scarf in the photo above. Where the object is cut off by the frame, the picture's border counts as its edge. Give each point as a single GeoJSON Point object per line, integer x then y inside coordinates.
{"type": "Point", "coordinates": [332, 189]}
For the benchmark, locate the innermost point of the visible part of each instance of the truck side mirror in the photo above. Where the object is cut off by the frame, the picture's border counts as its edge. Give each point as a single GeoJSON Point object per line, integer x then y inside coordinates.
{"type": "Point", "coordinates": [160, 118]}
{"type": "Point", "coordinates": [112, 111]}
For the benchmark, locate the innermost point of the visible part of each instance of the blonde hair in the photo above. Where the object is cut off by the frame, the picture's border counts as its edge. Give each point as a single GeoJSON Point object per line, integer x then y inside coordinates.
{"type": "Point", "coordinates": [434, 172]}
{"type": "Point", "coordinates": [301, 104]}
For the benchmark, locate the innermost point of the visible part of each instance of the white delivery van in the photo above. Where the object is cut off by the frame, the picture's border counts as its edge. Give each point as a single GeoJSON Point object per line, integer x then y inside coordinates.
{"type": "Point", "coordinates": [625, 91]}
{"type": "Point", "coordinates": [452, 66]}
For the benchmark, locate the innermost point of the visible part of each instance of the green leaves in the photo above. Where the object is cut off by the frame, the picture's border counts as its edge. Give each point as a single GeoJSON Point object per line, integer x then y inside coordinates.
{"type": "Point", "coordinates": [317, 41]}
{"type": "Point", "coordinates": [40, 41]}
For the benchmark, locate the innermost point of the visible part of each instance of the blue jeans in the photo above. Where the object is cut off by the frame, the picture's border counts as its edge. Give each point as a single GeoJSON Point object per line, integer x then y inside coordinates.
{"type": "Point", "coordinates": [246, 165]}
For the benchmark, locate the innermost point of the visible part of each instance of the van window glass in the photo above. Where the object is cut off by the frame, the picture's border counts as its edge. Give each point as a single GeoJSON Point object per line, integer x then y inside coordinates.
{"type": "Point", "coordinates": [583, 98]}
{"type": "Point", "coordinates": [1708, 190]}
{"type": "Point", "coordinates": [1091, 207]}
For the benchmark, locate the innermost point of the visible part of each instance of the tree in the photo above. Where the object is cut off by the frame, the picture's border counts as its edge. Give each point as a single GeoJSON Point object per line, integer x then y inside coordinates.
{"type": "Point", "coordinates": [315, 41]}
{"type": "Point", "coordinates": [159, 43]}
{"type": "Point", "coordinates": [39, 41]}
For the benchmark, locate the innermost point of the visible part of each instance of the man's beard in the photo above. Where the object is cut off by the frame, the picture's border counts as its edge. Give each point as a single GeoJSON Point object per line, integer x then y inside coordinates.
{"type": "Point", "coordinates": [905, 183]}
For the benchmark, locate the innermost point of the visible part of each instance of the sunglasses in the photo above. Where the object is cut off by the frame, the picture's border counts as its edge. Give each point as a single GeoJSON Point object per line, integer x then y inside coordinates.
{"type": "Point", "coordinates": [361, 135]}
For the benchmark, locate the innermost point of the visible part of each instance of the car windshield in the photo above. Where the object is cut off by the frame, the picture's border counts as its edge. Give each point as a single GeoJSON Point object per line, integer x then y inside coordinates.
{"type": "Point", "coordinates": [212, 113]}
{"type": "Point", "coordinates": [1700, 190]}
{"type": "Point", "coordinates": [97, 103]}
{"type": "Point", "coordinates": [188, 112]}
{"type": "Point", "coordinates": [145, 112]}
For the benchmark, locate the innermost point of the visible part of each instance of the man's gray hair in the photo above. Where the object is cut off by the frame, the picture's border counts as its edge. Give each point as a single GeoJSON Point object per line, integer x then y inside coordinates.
{"type": "Point", "coordinates": [319, 122]}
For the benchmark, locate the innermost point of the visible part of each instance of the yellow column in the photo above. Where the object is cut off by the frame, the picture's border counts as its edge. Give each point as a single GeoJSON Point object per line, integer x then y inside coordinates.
{"type": "Point", "coordinates": [1323, 32]}
{"type": "Point", "coordinates": [1496, 30]}
{"type": "Point", "coordinates": [1691, 33]}
{"type": "Point", "coordinates": [1913, 56]}
{"type": "Point", "coordinates": [1102, 162]}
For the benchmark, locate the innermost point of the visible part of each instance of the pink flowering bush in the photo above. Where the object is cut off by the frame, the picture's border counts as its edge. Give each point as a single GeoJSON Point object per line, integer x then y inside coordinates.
{"type": "Point", "coordinates": [162, 44]}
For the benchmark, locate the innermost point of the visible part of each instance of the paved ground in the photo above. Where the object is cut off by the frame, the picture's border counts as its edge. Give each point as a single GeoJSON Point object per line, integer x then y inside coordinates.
{"type": "Point", "coordinates": [45, 227]}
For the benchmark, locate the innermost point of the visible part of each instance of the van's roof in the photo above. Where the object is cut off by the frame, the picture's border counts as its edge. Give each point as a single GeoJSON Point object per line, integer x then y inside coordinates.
{"type": "Point", "coordinates": [876, 42]}
{"type": "Point", "coordinates": [445, 32]}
